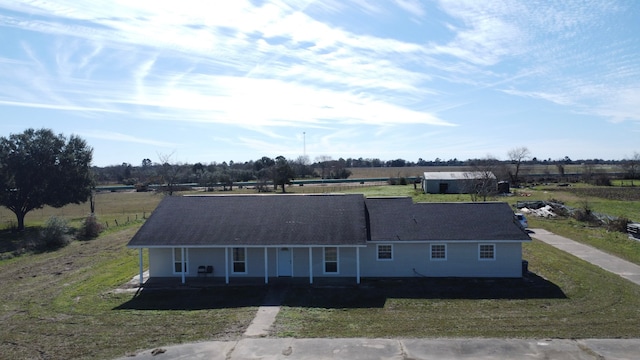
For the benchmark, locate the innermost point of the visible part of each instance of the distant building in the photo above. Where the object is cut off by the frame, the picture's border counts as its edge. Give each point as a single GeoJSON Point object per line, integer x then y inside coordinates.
{"type": "Point", "coordinates": [455, 182]}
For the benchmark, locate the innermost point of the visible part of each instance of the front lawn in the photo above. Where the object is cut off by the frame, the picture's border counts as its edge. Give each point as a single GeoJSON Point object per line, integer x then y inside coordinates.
{"type": "Point", "coordinates": [579, 300]}
{"type": "Point", "coordinates": [63, 305]}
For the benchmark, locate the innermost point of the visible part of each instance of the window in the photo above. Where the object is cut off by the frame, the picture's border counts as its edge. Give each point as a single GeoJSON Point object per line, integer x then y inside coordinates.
{"type": "Point", "coordinates": [438, 252]}
{"type": "Point", "coordinates": [177, 260]}
{"type": "Point", "coordinates": [385, 252]}
{"type": "Point", "coordinates": [331, 260]}
{"type": "Point", "coordinates": [487, 252]}
{"type": "Point", "coordinates": [240, 260]}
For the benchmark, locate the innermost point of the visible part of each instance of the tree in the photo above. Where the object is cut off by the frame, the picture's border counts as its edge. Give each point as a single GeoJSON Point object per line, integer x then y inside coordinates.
{"type": "Point", "coordinates": [323, 162]}
{"type": "Point", "coordinates": [301, 166]}
{"type": "Point", "coordinates": [632, 167]}
{"type": "Point", "coordinates": [39, 168]}
{"type": "Point", "coordinates": [169, 173]}
{"type": "Point", "coordinates": [282, 173]}
{"type": "Point", "coordinates": [517, 156]}
{"type": "Point", "coordinates": [481, 181]}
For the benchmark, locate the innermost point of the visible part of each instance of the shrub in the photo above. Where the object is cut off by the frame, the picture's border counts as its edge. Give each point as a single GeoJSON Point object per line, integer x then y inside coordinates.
{"type": "Point", "coordinates": [90, 228]}
{"type": "Point", "coordinates": [618, 224]}
{"type": "Point", "coordinates": [585, 215]}
{"type": "Point", "coordinates": [55, 233]}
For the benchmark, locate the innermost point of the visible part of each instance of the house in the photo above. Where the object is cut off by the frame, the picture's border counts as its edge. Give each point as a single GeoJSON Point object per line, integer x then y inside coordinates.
{"type": "Point", "coordinates": [310, 236]}
{"type": "Point", "coordinates": [456, 182]}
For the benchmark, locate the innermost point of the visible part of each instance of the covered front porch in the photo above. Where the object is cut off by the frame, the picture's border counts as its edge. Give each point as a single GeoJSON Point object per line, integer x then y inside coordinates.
{"type": "Point", "coordinates": [238, 264]}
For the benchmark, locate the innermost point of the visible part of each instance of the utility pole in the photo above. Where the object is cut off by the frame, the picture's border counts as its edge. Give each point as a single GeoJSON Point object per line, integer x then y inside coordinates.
{"type": "Point", "coordinates": [304, 143]}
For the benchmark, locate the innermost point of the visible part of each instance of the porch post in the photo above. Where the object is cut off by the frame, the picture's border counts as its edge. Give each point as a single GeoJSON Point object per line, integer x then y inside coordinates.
{"type": "Point", "coordinates": [141, 266]}
{"type": "Point", "coordinates": [310, 265]}
{"type": "Point", "coordinates": [226, 265]}
{"type": "Point", "coordinates": [182, 263]}
{"type": "Point", "coordinates": [357, 265]}
{"type": "Point", "coordinates": [266, 267]}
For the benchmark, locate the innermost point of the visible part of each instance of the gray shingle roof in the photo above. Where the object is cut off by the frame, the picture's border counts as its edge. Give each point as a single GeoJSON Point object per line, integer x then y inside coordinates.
{"type": "Point", "coordinates": [393, 220]}
{"type": "Point", "coordinates": [255, 220]}
{"type": "Point", "coordinates": [320, 220]}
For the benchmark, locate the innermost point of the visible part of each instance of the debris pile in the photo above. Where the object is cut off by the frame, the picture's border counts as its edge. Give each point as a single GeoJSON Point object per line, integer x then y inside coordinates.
{"type": "Point", "coordinates": [541, 208]}
{"type": "Point", "coordinates": [549, 209]}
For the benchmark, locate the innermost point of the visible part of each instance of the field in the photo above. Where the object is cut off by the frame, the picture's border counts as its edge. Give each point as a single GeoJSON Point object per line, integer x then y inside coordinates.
{"type": "Point", "coordinates": [76, 302]}
{"type": "Point", "coordinates": [111, 207]}
{"type": "Point", "coordinates": [539, 169]}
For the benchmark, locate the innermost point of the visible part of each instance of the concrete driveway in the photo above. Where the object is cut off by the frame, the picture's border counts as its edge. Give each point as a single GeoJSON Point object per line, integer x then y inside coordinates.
{"type": "Point", "coordinates": [417, 349]}
{"type": "Point", "coordinates": [626, 269]}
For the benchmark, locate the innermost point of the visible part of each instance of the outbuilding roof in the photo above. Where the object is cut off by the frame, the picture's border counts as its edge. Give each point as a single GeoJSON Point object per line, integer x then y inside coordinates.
{"type": "Point", "coordinates": [456, 175]}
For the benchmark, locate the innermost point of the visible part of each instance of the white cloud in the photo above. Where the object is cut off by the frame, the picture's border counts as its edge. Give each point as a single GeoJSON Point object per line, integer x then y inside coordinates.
{"type": "Point", "coordinates": [120, 137]}
{"type": "Point", "coordinates": [325, 65]}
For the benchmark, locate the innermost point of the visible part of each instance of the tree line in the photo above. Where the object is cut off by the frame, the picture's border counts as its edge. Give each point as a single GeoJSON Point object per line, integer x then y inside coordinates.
{"type": "Point", "coordinates": [38, 168]}
{"type": "Point", "coordinates": [280, 170]}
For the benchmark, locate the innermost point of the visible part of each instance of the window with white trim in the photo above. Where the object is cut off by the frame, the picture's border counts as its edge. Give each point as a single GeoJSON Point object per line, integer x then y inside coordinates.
{"type": "Point", "coordinates": [385, 252]}
{"type": "Point", "coordinates": [438, 252]}
{"type": "Point", "coordinates": [177, 260]}
{"type": "Point", "coordinates": [239, 260]}
{"type": "Point", "coordinates": [486, 252]}
{"type": "Point", "coordinates": [331, 260]}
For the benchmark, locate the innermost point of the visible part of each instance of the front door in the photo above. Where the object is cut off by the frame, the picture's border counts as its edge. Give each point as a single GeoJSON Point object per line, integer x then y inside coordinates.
{"type": "Point", "coordinates": [284, 262]}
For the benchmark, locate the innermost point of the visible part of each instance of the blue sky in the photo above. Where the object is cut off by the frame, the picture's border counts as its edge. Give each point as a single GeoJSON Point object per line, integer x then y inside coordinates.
{"type": "Point", "coordinates": [205, 81]}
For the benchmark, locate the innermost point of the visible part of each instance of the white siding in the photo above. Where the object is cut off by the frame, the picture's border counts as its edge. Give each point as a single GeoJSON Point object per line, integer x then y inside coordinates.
{"type": "Point", "coordinates": [160, 262]}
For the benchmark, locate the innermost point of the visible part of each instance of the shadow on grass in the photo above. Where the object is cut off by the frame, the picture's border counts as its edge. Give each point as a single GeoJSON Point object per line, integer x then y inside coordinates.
{"type": "Point", "coordinates": [196, 298]}
{"type": "Point", "coordinates": [371, 293]}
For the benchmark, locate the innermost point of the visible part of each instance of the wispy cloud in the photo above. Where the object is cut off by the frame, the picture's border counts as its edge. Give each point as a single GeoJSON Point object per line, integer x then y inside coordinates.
{"type": "Point", "coordinates": [267, 66]}
{"type": "Point", "coordinates": [120, 137]}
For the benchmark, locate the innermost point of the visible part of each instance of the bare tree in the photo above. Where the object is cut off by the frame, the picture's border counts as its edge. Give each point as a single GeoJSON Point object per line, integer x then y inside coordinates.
{"type": "Point", "coordinates": [301, 166]}
{"type": "Point", "coordinates": [632, 167]}
{"type": "Point", "coordinates": [323, 161]}
{"type": "Point", "coordinates": [168, 173]}
{"type": "Point", "coordinates": [481, 180]}
{"type": "Point", "coordinates": [517, 156]}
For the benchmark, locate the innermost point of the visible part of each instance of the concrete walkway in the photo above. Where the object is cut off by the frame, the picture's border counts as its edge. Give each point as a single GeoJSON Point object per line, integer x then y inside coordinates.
{"type": "Point", "coordinates": [608, 262]}
{"type": "Point", "coordinates": [267, 312]}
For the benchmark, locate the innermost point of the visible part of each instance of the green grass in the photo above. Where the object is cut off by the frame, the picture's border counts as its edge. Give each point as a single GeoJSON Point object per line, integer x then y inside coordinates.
{"type": "Point", "coordinates": [614, 243]}
{"type": "Point", "coordinates": [110, 207]}
{"type": "Point", "coordinates": [62, 305]}
{"type": "Point", "coordinates": [597, 305]}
